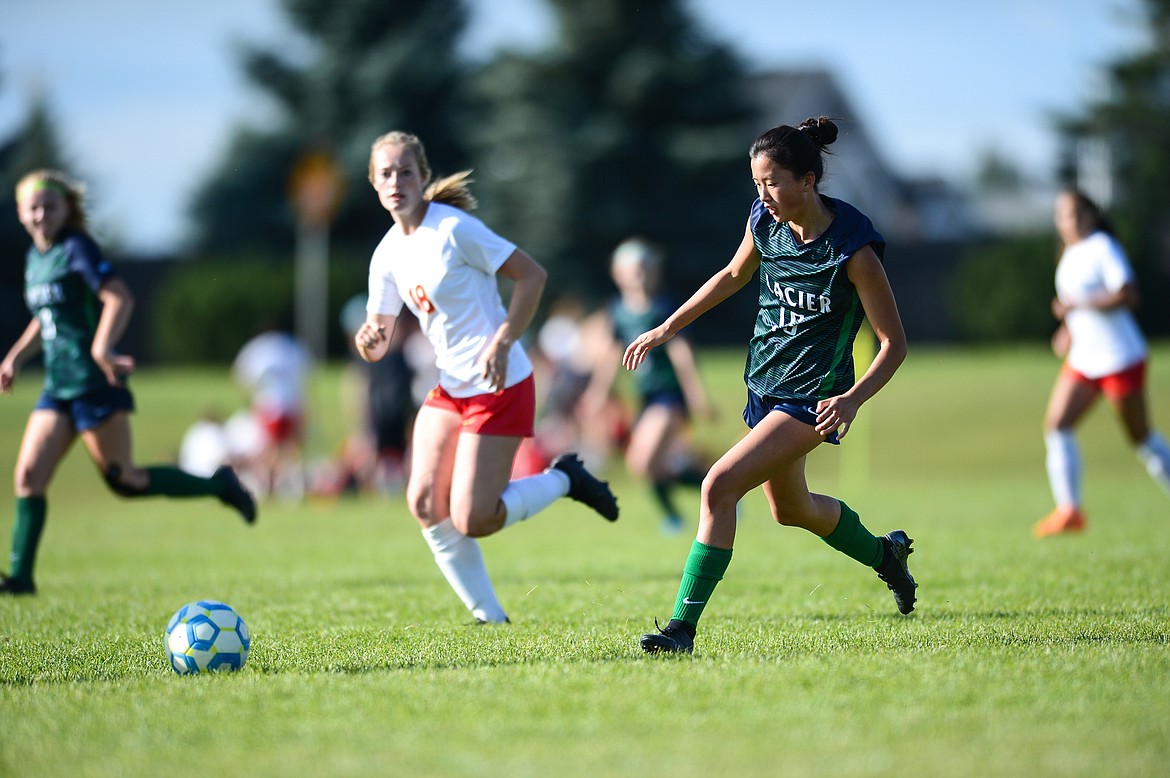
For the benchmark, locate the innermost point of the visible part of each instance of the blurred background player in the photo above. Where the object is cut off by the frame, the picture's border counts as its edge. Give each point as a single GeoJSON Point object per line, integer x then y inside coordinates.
{"type": "Point", "coordinates": [821, 274]}
{"type": "Point", "coordinates": [378, 401]}
{"type": "Point", "coordinates": [442, 264]}
{"type": "Point", "coordinates": [80, 309]}
{"type": "Point", "coordinates": [1103, 351]}
{"type": "Point", "coordinates": [667, 383]}
{"type": "Point", "coordinates": [274, 367]}
{"type": "Point", "coordinates": [570, 347]}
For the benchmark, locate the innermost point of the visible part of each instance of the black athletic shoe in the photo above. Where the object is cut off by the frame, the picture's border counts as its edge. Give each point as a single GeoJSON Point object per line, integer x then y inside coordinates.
{"type": "Point", "coordinates": [894, 572]}
{"type": "Point", "coordinates": [585, 487]}
{"type": "Point", "coordinates": [675, 638]}
{"type": "Point", "coordinates": [11, 587]}
{"type": "Point", "coordinates": [235, 493]}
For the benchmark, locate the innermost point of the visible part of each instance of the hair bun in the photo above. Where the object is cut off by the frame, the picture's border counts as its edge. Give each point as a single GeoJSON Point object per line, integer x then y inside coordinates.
{"type": "Point", "coordinates": [821, 130]}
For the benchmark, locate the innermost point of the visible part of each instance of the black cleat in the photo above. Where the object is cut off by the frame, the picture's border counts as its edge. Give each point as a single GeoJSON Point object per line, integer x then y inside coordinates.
{"type": "Point", "coordinates": [585, 487]}
{"type": "Point", "coordinates": [11, 587]}
{"type": "Point", "coordinates": [894, 572]}
{"type": "Point", "coordinates": [675, 638]}
{"type": "Point", "coordinates": [235, 493]}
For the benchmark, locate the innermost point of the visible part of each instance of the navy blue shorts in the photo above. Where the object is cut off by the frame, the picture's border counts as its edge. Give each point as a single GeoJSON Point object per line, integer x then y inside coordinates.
{"type": "Point", "coordinates": [90, 409]}
{"type": "Point", "coordinates": [668, 398]}
{"type": "Point", "coordinates": [759, 406]}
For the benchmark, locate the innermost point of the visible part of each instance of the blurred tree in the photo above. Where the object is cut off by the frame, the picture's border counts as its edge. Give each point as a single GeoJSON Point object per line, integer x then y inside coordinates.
{"type": "Point", "coordinates": [362, 68]}
{"type": "Point", "coordinates": [1131, 123]}
{"type": "Point", "coordinates": [997, 174]}
{"type": "Point", "coordinates": [632, 122]}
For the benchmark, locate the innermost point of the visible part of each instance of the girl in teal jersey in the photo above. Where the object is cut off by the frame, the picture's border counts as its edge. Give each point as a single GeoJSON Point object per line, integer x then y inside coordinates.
{"type": "Point", "coordinates": [80, 309]}
{"type": "Point", "coordinates": [668, 387]}
{"type": "Point", "coordinates": [820, 269]}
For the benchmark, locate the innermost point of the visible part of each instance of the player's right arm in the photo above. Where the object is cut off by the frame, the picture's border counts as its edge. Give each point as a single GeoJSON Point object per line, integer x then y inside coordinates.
{"type": "Point", "coordinates": [718, 288]}
{"type": "Point", "coordinates": [26, 345]}
{"type": "Point", "coordinates": [373, 338]}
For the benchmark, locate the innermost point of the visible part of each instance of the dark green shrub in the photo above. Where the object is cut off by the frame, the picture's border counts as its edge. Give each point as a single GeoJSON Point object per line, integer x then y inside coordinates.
{"type": "Point", "coordinates": [1003, 290]}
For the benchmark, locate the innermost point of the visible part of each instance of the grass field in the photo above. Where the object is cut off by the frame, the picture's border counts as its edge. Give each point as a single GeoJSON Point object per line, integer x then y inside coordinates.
{"type": "Point", "coordinates": [1024, 658]}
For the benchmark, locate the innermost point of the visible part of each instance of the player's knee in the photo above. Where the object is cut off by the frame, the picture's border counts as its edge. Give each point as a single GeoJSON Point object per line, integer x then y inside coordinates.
{"type": "Point", "coordinates": [478, 521]}
{"type": "Point", "coordinates": [115, 479]}
{"type": "Point", "coordinates": [786, 517]}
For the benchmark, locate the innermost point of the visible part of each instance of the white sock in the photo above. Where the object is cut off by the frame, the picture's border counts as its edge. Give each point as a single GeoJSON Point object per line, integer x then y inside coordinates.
{"type": "Point", "coordinates": [461, 561]}
{"type": "Point", "coordinates": [1155, 455]}
{"type": "Point", "coordinates": [1064, 467]}
{"type": "Point", "coordinates": [529, 496]}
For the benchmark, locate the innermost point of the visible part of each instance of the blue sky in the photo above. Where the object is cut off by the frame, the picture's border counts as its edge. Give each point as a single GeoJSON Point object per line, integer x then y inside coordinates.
{"type": "Point", "coordinates": [147, 92]}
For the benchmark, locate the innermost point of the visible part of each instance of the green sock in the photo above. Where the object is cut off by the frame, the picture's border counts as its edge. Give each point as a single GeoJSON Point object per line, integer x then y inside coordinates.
{"type": "Point", "coordinates": [173, 482]}
{"type": "Point", "coordinates": [704, 569]}
{"type": "Point", "coordinates": [26, 535]}
{"type": "Point", "coordinates": [852, 539]}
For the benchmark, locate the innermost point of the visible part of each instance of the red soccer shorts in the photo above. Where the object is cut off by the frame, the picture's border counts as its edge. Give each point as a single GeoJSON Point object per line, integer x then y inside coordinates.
{"type": "Point", "coordinates": [1114, 385]}
{"type": "Point", "coordinates": [511, 411]}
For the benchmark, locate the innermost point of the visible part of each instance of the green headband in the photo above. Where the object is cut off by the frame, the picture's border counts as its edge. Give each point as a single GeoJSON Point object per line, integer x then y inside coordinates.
{"type": "Point", "coordinates": [40, 185]}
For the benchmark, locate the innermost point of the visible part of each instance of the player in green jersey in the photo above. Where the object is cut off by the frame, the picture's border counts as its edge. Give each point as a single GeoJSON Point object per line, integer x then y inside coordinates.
{"type": "Point", "coordinates": [669, 390]}
{"type": "Point", "coordinates": [80, 310]}
{"type": "Point", "coordinates": [819, 261]}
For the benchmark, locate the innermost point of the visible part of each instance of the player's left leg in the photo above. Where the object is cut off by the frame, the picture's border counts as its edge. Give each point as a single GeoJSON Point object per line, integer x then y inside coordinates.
{"type": "Point", "coordinates": [840, 528]}
{"type": "Point", "coordinates": [109, 444]}
{"type": "Point", "coordinates": [1152, 449]}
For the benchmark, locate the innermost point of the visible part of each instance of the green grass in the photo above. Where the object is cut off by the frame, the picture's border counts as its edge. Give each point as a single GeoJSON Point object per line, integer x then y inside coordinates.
{"type": "Point", "coordinates": [1023, 658]}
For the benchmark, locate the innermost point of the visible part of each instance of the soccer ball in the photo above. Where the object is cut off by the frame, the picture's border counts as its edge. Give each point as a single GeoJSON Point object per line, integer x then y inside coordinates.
{"type": "Point", "coordinates": [206, 636]}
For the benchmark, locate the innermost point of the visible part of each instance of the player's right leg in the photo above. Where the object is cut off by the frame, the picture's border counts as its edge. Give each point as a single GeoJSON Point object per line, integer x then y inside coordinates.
{"type": "Point", "coordinates": [777, 444]}
{"type": "Point", "coordinates": [428, 494]}
{"type": "Point", "coordinates": [1071, 398]}
{"type": "Point", "coordinates": [47, 438]}
{"type": "Point", "coordinates": [647, 454]}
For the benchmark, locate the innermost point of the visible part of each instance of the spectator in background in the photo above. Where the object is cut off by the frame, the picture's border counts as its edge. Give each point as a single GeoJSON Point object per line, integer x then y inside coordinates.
{"type": "Point", "coordinates": [1104, 354]}
{"type": "Point", "coordinates": [377, 397]}
{"type": "Point", "coordinates": [570, 346]}
{"type": "Point", "coordinates": [81, 308]}
{"type": "Point", "coordinates": [274, 367]}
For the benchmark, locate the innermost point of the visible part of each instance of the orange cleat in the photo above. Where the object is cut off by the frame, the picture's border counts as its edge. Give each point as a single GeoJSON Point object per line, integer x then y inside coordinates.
{"type": "Point", "coordinates": [1063, 519]}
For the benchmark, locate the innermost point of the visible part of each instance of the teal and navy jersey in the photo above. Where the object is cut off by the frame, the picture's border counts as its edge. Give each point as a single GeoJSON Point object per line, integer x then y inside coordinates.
{"type": "Point", "coordinates": [656, 374]}
{"type": "Point", "coordinates": [60, 290]}
{"type": "Point", "coordinates": [802, 347]}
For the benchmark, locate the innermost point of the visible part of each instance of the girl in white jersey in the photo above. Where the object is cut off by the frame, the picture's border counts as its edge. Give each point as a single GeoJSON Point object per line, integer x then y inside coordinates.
{"type": "Point", "coordinates": [441, 263]}
{"type": "Point", "coordinates": [1104, 353]}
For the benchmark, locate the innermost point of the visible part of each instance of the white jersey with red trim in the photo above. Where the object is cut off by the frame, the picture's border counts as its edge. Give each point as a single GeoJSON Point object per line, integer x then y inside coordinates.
{"type": "Point", "coordinates": [1103, 342]}
{"type": "Point", "coordinates": [445, 273]}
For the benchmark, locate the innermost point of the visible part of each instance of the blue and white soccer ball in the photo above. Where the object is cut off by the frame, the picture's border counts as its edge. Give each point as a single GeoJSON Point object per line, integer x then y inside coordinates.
{"type": "Point", "coordinates": [207, 636]}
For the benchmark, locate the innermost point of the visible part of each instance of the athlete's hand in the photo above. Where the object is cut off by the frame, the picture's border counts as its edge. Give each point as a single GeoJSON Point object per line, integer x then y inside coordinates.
{"type": "Point", "coordinates": [115, 366]}
{"type": "Point", "coordinates": [836, 414]}
{"type": "Point", "coordinates": [7, 376]}
{"type": "Point", "coordinates": [368, 337]}
{"type": "Point", "coordinates": [493, 364]}
{"type": "Point", "coordinates": [636, 352]}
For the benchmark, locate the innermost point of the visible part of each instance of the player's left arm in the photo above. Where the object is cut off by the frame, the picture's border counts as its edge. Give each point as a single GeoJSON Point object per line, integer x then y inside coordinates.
{"type": "Point", "coordinates": [868, 276]}
{"type": "Point", "coordinates": [117, 305]}
{"type": "Point", "coordinates": [528, 278]}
